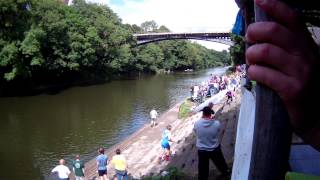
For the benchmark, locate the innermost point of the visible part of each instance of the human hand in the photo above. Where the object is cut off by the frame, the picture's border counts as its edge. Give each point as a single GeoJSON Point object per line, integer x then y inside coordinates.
{"type": "Point", "coordinates": [285, 59]}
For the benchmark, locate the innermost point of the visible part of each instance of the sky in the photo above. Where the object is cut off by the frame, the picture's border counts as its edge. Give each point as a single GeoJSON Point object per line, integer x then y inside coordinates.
{"type": "Point", "coordinates": [179, 15]}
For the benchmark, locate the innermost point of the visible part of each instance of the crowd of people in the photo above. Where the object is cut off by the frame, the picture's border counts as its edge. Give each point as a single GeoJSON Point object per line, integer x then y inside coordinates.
{"type": "Point", "coordinates": [203, 140]}
{"type": "Point", "coordinates": [285, 59]}
{"type": "Point", "coordinates": [208, 128]}
{"type": "Point", "coordinates": [207, 142]}
{"type": "Point", "coordinates": [215, 84]}
{"type": "Point", "coordinates": [118, 161]}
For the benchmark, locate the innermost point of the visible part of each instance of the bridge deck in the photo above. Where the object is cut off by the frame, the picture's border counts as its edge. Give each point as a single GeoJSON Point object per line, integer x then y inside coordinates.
{"type": "Point", "coordinates": [220, 37]}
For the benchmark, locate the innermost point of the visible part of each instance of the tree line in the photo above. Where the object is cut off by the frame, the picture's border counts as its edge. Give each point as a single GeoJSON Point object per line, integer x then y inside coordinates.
{"type": "Point", "coordinates": [44, 42]}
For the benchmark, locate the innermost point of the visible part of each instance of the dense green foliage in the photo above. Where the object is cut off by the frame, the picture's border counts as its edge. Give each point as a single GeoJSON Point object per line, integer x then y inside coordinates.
{"type": "Point", "coordinates": [237, 51]}
{"type": "Point", "coordinates": [175, 54]}
{"type": "Point", "coordinates": [46, 42]}
{"type": "Point", "coordinates": [185, 109]}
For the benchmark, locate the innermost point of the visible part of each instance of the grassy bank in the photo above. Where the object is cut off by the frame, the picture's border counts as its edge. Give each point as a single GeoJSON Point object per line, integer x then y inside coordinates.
{"type": "Point", "coordinates": [185, 109]}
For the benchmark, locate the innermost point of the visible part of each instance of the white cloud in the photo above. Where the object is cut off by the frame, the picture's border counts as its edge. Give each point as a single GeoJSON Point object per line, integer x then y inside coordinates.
{"type": "Point", "coordinates": [180, 15]}
{"type": "Point", "coordinates": [99, 1]}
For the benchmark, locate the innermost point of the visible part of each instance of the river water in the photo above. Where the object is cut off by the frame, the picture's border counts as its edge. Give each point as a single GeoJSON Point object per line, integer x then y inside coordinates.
{"type": "Point", "coordinates": [37, 131]}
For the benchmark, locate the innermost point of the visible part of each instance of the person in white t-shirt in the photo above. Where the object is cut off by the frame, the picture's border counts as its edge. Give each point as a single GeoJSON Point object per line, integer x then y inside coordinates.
{"type": "Point", "coordinates": [153, 115]}
{"type": "Point", "coordinates": [195, 92]}
{"type": "Point", "coordinates": [62, 170]}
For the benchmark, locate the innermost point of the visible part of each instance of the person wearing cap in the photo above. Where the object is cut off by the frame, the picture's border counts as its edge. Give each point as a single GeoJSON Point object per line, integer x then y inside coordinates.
{"type": "Point", "coordinates": [78, 168]}
{"type": "Point", "coordinates": [207, 130]}
{"type": "Point", "coordinates": [62, 170]}
{"type": "Point", "coordinates": [198, 109]}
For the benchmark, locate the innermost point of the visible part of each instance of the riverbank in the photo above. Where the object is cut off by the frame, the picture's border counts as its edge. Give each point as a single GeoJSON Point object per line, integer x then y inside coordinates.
{"type": "Point", "coordinates": [81, 119]}
{"type": "Point", "coordinates": [143, 147]}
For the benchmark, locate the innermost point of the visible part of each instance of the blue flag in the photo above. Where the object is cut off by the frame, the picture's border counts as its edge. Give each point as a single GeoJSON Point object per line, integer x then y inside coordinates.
{"type": "Point", "coordinates": [238, 27]}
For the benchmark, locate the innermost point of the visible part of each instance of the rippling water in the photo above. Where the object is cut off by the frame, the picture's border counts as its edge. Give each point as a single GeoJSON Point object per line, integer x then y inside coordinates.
{"type": "Point", "coordinates": [37, 131]}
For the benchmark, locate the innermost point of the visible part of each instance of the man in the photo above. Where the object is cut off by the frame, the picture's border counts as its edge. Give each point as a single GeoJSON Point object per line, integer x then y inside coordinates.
{"type": "Point", "coordinates": [210, 105]}
{"type": "Point", "coordinates": [102, 162]}
{"type": "Point", "coordinates": [207, 130]}
{"type": "Point", "coordinates": [153, 115]}
{"type": "Point", "coordinates": [62, 170]}
{"type": "Point", "coordinates": [199, 108]}
{"type": "Point", "coordinates": [195, 92]}
{"type": "Point", "coordinates": [78, 168]}
{"type": "Point", "coordinates": [120, 165]}
{"type": "Point", "coordinates": [229, 97]}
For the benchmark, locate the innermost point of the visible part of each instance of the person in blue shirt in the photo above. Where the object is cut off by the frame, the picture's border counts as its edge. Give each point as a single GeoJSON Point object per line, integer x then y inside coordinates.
{"type": "Point", "coordinates": [102, 162]}
{"type": "Point", "coordinates": [165, 142]}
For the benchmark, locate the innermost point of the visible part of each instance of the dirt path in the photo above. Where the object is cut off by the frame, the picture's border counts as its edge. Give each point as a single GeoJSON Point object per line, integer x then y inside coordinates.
{"type": "Point", "coordinates": [143, 147]}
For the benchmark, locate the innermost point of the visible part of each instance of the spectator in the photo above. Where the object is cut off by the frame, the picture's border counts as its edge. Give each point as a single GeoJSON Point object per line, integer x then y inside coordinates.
{"type": "Point", "coordinates": [62, 170]}
{"type": "Point", "coordinates": [165, 143]}
{"type": "Point", "coordinates": [102, 162]}
{"type": "Point", "coordinates": [229, 96]}
{"type": "Point", "coordinates": [153, 115]}
{"type": "Point", "coordinates": [207, 130]}
{"type": "Point", "coordinates": [120, 165]}
{"type": "Point", "coordinates": [78, 168]}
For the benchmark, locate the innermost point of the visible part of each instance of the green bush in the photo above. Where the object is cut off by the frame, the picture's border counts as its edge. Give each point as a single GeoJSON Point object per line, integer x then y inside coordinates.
{"type": "Point", "coordinates": [185, 109]}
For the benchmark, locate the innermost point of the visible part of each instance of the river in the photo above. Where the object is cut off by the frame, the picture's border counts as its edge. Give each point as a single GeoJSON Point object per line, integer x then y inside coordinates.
{"type": "Point", "coordinates": [37, 131]}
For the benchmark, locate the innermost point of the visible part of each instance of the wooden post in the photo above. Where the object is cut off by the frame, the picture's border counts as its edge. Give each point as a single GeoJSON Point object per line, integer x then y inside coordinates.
{"type": "Point", "coordinates": [272, 132]}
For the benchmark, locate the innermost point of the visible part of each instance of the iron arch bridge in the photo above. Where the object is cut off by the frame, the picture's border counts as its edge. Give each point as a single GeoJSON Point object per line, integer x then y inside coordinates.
{"type": "Point", "coordinates": [218, 37]}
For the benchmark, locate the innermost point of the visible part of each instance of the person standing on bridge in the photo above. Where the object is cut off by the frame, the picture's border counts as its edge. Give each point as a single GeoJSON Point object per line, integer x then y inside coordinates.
{"type": "Point", "coordinates": [207, 130]}
{"type": "Point", "coordinates": [102, 162]}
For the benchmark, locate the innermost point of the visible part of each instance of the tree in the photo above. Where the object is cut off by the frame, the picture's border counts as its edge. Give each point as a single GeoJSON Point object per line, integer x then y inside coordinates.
{"type": "Point", "coordinates": [134, 28]}
{"type": "Point", "coordinates": [150, 58]}
{"type": "Point", "coordinates": [149, 26]}
{"type": "Point", "coordinates": [237, 50]}
{"type": "Point", "coordinates": [47, 42]}
{"type": "Point", "coordinates": [163, 28]}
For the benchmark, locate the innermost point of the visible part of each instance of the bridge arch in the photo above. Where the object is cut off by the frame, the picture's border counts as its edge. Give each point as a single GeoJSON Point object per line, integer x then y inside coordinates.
{"type": "Point", "coordinates": [221, 37]}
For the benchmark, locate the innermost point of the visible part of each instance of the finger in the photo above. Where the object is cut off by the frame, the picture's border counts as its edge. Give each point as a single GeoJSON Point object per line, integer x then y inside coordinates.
{"type": "Point", "coordinates": [280, 11]}
{"type": "Point", "coordinates": [270, 55]}
{"type": "Point", "coordinates": [274, 79]}
{"type": "Point", "coordinates": [272, 33]}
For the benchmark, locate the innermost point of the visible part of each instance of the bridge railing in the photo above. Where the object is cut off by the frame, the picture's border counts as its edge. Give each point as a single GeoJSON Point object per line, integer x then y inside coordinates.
{"type": "Point", "coordinates": [220, 37]}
